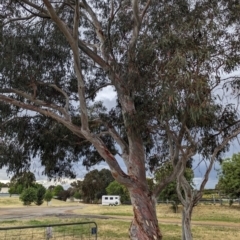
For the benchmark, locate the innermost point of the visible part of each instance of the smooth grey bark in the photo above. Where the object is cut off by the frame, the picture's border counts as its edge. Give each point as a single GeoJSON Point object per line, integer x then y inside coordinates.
{"type": "Point", "coordinates": [186, 221]}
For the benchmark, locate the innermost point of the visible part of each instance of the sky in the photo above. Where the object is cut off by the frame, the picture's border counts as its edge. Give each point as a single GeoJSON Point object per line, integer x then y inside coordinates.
{"type": "Point", "coordinates": [108, 96]}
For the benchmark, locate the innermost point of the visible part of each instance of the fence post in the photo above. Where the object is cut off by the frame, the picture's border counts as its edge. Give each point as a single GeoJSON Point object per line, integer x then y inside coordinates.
{"type": "Point", "coordinates": [49, 232]}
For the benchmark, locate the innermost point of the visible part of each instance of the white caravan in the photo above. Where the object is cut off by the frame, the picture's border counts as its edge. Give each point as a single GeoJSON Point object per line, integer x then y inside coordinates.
{"type": "Point", "coordinates": [111, 200]}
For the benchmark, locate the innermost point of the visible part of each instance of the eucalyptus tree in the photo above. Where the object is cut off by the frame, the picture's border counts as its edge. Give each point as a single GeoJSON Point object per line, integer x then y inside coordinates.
{"type": "Point", "coordinates": [162, 59]}
{"type": "Point", "coordinates": [197, 49]}
{"type": "Point", "coordinates": [95, 183]}
{"type": "Point", "coordinates": [92, 45]}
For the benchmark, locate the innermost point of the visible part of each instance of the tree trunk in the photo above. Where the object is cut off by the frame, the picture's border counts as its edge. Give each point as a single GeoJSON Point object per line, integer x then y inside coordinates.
{"type": "Point", "coordinates": [186, 221]}
{"type": "Point", "coordinates": [145, 224]}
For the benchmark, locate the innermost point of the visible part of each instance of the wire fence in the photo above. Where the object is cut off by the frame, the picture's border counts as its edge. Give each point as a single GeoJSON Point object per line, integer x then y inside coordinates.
{"type": "Point", "coordinates": [65, 231]}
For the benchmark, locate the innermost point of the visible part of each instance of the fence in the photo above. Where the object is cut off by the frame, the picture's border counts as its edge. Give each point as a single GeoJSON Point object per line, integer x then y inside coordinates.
{"type": "Point", "coordinates": [65, 231]}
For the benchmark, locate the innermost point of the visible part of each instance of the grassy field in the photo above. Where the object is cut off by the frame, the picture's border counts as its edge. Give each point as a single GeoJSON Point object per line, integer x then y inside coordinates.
{"type": "Point", "coordinates": [219, 222]}
{"type": "Point", "coordinates": [200, 213]}
{"type": "Point", "coordinates": [14, 202]}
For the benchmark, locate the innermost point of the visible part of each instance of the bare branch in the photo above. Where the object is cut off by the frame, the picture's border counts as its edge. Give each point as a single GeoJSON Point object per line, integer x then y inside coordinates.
{"type": "Point", "coordinates": [167, 180]}
{"type": "Point", "coordinates": [115, 168]}
{"type": "Point", "coordinates": [35, 6]}
{"type": "Point", "coordinates": [76, 21]}
{"type": "Point", "coordinates": [95, 22]}
{"type": "Point", "coordinates": [145, 9]}
{"type": "Point", "coordinates": [17, 117]}
{"type": "Point", "coordinates": [18, 19]}
{"type": "Point", "coordinates": [216, 151]}
{"type": "Point", "coordinates": [111, 18]}
{"type": "Point", "coordinates": [95, 57]}
{"type": "Point", "coordinates": [46, 112]}
{"type": "Point", "coordinates": [123, 145]}
{"type": "Point", "coordinates": [136, 28]}
{"type": "Point", "coordinates": [36, 101]}
{"type": "Point", "coordinates": [97, 89]}
{"type": "Point", "coordinates": [66, 107]}
{"type": "Point", "coordinates": [73, 41]}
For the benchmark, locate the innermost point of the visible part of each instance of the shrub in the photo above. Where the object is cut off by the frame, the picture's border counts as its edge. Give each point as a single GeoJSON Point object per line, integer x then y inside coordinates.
{"type": "Point", "coordinates": [77, 195]}
{"type": "Point", "coordinates": [48, 196]}
{"type": "Point", "coordinates": [28, 196]}
{"type": "Point", "coordinates": [41, 190]}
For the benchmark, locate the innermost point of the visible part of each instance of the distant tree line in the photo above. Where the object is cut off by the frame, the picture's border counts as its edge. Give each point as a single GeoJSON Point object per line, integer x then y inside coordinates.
{"type": "Point", "coordinates": [98, 183]}
{"type": "Point", "coordinates": [95, 184]}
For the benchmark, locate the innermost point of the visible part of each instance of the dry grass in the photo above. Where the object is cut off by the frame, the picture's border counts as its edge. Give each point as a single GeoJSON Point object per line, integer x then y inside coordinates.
{"type": "Point", "coordinates": [121, 210]}
{"type": "Point", "coordinates": [217, 213]}
{"type": "Point", "coordinates": [200, 213]}
{"type": "Point", "coordinates": [117, 228]}
{"type": "Point", "coordinates": [14, 202]}
{"type": "Point", "coordinates": [109, 229]}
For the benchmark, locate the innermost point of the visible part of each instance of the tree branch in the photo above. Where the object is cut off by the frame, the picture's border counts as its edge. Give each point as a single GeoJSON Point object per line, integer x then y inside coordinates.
{"type": "Point", "coordinates": [35, 6]}
{"type": "Point", "coordinates": [97, 89]}
{"type": "Point", "coordinates": [145, 9]}
{"type": "Point", "coordinates": [136, 29]}
{"type": "Point", "coordinates": [66, 107]}
{"type": "Point", "coordinates": [73, 41]}
{"type": "Point", "coordinates": [167, 180]}
{"type": "Point", "coordinates": [215, 152]}
{"type": "Point", "coordinates": [36, 101]}
{"type": "Point", "coordinates": [95, 21]}
{"type": "Point", "coordinates": [95, 57]}
{"type": "Point", "coordinates": [18, 19]}
{"type": "Point", "coordinates": [123, 145]}
{"type": "Point", "coordinates": [46, 112]}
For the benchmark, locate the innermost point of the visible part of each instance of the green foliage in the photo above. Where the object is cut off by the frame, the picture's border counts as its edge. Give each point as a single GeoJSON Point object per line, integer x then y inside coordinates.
{"type": "Point", "coordinates": [48, 196]}
{"type": "Point", "coordinates": [76, 189]}
{"type": "Point", "coordinates": [115, 188]}
{"type": "Point", "coordinates": [11, 190]}
{"type": "Point", "coordinates": [4, 185]}
{"type": "Point", "coordinates": [28, 196]}
{"type": "Point", "coordinates": [169, 192]}
{"type": "Point", "coordinates": [41, 190]}
{"type": "Point", "coordinates": [150, 182]}
{"type": "Point", "coordinates": [57, 190]}
{"type": "Point", "coordinates": [23, 180]}
{"type": "Point", "coordinates": [229, 177]}
{"type": "Point", "coordinates": [63, 195]}
{"type": "Point", "coordinates": [95, 183]}
{"type": "Point", "coordinates": [15, 188]}
{"type": "Point", "coordinates": [77, 195]}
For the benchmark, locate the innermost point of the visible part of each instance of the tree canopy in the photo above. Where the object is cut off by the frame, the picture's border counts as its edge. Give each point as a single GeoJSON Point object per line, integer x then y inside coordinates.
{"type": "Point", "coordinates": [229, 178]}
{"type": "Point", "coordinates": [163, 59]}
{"type": "Point", "coordinates": [95, 183]}
{"type": "Point", "coordinates": [21, 181]}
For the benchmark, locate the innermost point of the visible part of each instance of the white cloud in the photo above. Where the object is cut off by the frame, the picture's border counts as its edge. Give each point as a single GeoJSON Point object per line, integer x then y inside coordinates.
{"type": "Point", "coordinates": [107, 96]}
{"type": "Point", "coordinates": [210, 184]}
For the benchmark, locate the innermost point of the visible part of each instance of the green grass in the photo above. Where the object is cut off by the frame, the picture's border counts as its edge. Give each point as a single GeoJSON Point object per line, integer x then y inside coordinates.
{"type": "Point", "coordinates": [117, 214]}
{"type": "Point", "coordinates": [204, 212]}
{"type": "Point", "coordinates": [8, 222]}
{"type": "Point", "coordinates": [111, 229]}
{"type": "Point", "coordinates": [7, 202]}
{"type": "Point", "coordinates": [118, 228]}
{"type": "Point", "coordinates": [217, 213]}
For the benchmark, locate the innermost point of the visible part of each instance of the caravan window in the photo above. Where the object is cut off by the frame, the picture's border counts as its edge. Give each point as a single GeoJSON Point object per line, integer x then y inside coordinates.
{"type": "Point", "coordinates": [116, 197]}
{"type": "Point", "coordinates": [111, 198]}
{"type": "Point", "coordinates": [106, 198]}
